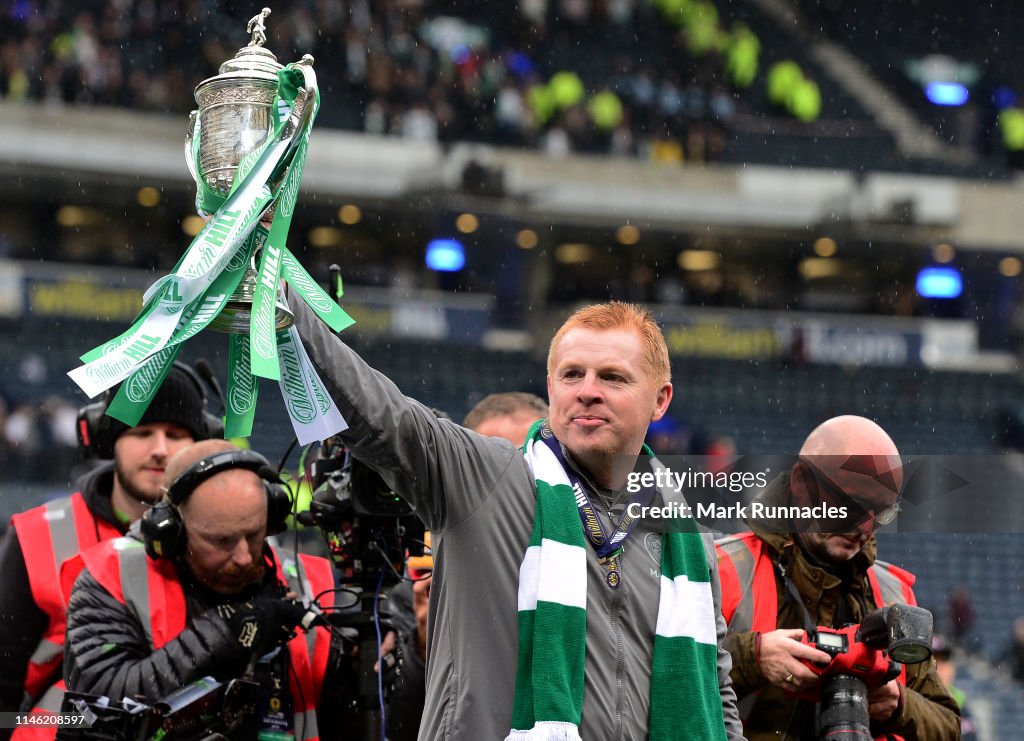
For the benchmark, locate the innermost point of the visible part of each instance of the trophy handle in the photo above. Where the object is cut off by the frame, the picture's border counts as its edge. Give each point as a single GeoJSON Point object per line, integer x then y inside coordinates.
{"type": "Point", "coordinates": [306, 93]}
{"type": "Point", "coordinates": [302, 111]}
{"type": "Point", "coordinates": [190, 160]}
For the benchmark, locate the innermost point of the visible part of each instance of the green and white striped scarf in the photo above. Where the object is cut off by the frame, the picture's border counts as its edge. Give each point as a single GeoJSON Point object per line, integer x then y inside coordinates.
{"type": "Point", "coordinates": [685, 699]}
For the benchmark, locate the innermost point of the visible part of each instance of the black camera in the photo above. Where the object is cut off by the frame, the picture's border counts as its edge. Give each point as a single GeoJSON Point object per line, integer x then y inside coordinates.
{"type": "Point", "coordinates": [863, 656]}
{"type": "Point", "coordinates": [368, 528]}
{"type": "Point", "coordinates": [201, 711]}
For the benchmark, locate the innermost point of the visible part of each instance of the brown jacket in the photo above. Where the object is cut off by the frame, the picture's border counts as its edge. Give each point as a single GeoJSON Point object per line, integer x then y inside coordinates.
{"type": "Point", "coordinates": [927, 711]}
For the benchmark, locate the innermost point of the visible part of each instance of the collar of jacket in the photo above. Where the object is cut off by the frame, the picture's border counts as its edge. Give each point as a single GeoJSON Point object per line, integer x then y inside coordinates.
{"type": "Point", "coordinates": [777, 493]}
{"type": "Point", "coordinates": [97, 486]}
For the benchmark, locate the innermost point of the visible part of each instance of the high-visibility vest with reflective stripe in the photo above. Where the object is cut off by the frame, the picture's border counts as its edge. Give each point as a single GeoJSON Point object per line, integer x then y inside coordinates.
{"type": "Point", "coordinates": [743, 574]}
{"type": "Point", "coordinates": [749, 594]}
{"type": "Point", "coordinates": [750, 601]}
{"type": "Point", "coordinates": [49, 535]}
{"type": "Point", "coordinates": [49, 704]}
{"type": "Point", "coordinates": [151, 590]}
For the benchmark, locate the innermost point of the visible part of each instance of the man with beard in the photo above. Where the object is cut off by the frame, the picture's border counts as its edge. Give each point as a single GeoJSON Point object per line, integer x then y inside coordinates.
{"type": "Point", "coordinates": [198, 592]}
{"type": "Point", "coordinates": [791, 574]}
{"type": "Point", "coordinates": [111, 496]}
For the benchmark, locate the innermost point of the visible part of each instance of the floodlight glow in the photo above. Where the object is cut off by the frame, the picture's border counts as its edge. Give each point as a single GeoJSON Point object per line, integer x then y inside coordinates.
{"type": "Point", "coordinates": [1004, 97]}
{"type": "Point", "coordinates": [946, 93]}
{"type": "Point", "coordinates": [939, 283]}
{"type": "Point", "coordinates": [446, 255]}
{"type": "Point", "coordinates": [519, 64]}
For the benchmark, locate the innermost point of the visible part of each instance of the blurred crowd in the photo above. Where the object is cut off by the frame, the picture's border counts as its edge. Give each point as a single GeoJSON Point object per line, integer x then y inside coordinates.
{"type": "Point", "coordinates": [629, 77]}
{"type": "Point", "coordinates": [38, 441]}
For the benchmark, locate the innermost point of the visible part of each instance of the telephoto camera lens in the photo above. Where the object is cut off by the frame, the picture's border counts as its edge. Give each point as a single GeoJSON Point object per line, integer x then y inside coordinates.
{"type": "Point", "coordinates": [844, 709]}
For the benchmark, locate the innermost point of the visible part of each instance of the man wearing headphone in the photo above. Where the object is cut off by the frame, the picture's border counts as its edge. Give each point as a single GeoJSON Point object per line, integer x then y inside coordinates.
{"type": "Point", "coordinates": [111, 496]}
{"type": "Point", "coordinates": [197, 591]}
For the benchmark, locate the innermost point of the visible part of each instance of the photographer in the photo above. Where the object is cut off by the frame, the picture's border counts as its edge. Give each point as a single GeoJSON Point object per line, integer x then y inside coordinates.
{"type": "Point", "coordinates": [777, 583]}
{"type": "Point", "coordinates": [591, 611]}
{"type": "Point", "coordinates": [112, 495]}
{"type": "Point", "coordinates": [200, 593]}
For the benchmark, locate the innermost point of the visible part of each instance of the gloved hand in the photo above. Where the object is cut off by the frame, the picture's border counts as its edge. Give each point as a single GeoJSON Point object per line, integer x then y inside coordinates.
{"type": "Point", "coordinates": [264, 623]}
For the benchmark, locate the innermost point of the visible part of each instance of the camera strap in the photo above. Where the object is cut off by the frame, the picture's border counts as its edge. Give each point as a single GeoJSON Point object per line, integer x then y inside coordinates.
{"type": "Point", "coordinates": [794, 594]}
{"type": "Point", "coordinates": [800, 706]}
{"type": "Point", "coordinates": [275, 708]}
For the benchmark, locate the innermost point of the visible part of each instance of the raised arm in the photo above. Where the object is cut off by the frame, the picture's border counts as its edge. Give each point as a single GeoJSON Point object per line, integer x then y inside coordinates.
{"type": "Point", "coordinates": [443, 470]}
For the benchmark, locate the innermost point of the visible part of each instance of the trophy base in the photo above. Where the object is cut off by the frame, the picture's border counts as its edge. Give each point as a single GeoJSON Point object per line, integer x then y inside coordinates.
{"type": "Point", "coordinates": [234, 318]}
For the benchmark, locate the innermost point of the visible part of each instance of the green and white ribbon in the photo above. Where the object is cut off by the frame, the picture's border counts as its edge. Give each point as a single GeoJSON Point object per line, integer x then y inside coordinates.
{"type": "Point", "coordinates": [179, 305]}
{"type": "Point", "coordinates": [166, 301]}
{"type": "Point", "coordinates": [129, 407]}
{"type": "Point", "coordinates": [242, 389]}
{"type": "Point", "coordinates": [317, 298]}
{"type": "Point", "coordinates": [263, 327]}
{"type": "Point", "coordinates": [684, 692]}
{"type": "Point", "coordinates": [131, 400]}
{"type": "Point", "coordinates": [313, 413]}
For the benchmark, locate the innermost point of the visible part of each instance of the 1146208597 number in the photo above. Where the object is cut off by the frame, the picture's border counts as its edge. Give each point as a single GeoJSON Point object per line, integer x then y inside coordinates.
{"type": "Point", "coordinates": [52, 720]}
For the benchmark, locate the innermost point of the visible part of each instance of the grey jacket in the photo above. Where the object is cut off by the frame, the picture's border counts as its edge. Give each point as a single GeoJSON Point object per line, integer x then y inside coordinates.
{"type": "Point", "coordinates": [477, 496]}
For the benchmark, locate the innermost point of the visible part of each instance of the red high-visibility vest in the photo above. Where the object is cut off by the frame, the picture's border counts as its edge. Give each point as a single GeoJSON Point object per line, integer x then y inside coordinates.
{"type": "Point", "coordinates": [152, 590]}
{"type": "Point", "coordinates": [49, 535]}
{"type": "Point", "coordinates": [750, 600]}
{"type": "Point", "coordinates": [749, 595]}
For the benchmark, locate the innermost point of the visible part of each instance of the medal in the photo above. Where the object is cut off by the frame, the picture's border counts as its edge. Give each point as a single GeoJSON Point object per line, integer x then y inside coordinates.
{"type": "Point", "coordinates": [612, 564]}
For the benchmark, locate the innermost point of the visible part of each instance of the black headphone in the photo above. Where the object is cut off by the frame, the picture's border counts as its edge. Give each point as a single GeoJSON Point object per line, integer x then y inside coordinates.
{"type": "Point", "coordinates": [163, 530]}
{"type": "Point", "coordinates": [97, 431]}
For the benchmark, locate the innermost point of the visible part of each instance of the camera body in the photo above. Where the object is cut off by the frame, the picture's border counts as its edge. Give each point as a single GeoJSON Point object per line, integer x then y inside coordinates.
{"type": "Point", "coordinates": [368, 528]}
{"type": "Point", "coordinates": [864, 656]}
{"type": "Point", "coordinates": [204, 709]}
{"type": "Point", "coordinates": [850, 655]}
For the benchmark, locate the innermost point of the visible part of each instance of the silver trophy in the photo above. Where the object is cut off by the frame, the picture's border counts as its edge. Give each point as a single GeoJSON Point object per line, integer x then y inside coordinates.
{"type": "Point", "coordinates": [235, 118]}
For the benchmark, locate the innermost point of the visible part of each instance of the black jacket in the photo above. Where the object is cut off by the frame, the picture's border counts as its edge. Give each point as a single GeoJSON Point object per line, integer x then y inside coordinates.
{"type": "Point", "coordinates": [107, 652]}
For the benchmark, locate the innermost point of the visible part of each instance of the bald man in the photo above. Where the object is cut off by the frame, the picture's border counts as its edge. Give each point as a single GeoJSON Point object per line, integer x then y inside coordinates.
{"type": "Point", "coordinates": [798, 568]}
{"type": "Point", "coordinates": [199, 592]}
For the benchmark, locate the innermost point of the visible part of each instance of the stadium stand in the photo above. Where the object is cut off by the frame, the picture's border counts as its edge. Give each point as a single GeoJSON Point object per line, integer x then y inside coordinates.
{"type": "Point", "coordinates": [466, 71]}
{"type": "Point", "coordinates": [990, 564]}
{"type": "Point", "coordinates": [958, 44]}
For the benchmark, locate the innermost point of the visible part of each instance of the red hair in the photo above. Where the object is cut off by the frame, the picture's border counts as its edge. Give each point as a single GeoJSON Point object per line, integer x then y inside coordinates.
{"type": "Point", "coordinates": [620, 315]}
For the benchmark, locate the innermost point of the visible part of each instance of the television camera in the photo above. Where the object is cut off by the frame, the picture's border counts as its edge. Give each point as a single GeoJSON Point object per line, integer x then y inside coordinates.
{"type": "Point", "coordinates": [369, 531]}
{"type": "Point", "coordinates": [368, 528]}
{"type": "Point", "coordinates": [205, 710]}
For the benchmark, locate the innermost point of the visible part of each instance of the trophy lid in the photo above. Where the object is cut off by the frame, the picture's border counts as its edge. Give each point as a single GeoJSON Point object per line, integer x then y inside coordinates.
{"type": "Point", "coordinates": [254, 60]}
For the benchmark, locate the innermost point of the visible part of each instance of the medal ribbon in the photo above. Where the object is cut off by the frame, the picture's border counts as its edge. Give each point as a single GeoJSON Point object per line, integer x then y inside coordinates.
{"type": "Point", "coordinates": [605, 545]}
